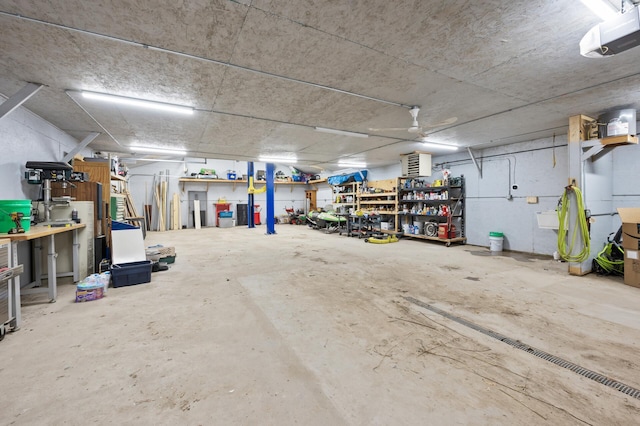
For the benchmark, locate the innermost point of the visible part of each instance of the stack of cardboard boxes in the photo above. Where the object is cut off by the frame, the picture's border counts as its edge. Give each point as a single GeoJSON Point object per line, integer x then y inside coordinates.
{"type": "Point", "coordinates": [630, 217]}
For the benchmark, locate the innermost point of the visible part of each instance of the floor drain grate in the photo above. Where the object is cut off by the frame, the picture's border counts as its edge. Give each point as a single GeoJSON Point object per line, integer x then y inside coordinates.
{"type": "Point", "coordinates": [628, 390]}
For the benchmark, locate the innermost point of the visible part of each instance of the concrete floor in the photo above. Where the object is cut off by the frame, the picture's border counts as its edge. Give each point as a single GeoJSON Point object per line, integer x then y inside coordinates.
{"type": "Point", "coordinates": [314, 329]}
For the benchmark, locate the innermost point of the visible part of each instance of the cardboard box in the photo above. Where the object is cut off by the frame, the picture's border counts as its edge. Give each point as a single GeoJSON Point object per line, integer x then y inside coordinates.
{"type": "Point", "coordinates": [632, 268]}
{"type": "Point", "coordinates": [630, 217]}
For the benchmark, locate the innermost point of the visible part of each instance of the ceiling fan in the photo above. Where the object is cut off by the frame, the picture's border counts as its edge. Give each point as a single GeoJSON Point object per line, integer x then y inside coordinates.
{"type": "Point", "coordinates": [416, 128]}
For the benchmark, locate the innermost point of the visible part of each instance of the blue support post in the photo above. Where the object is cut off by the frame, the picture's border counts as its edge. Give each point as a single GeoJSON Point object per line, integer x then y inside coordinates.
{"type": "Point", "coordinates": [250, 205]}
{"type": "Point", "coordinates": [271, 220]}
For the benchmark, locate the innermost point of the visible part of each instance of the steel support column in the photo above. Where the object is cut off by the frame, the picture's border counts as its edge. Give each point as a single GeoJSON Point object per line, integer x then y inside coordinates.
{"type": "Point", "coordinates": [250, 202]}
{"type": "Point", "coordinates": [271, 221]}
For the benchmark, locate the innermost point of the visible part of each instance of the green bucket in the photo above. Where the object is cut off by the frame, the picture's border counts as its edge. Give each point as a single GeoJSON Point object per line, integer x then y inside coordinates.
{"type": "Point", "coordinates": [14, 206]}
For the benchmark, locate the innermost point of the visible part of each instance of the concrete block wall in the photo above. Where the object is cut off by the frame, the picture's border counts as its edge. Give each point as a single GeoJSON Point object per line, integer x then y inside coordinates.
{"type": "Point", "coordinates": [492, 203]}
{"type": "Point", "coordinates": [610, 181]}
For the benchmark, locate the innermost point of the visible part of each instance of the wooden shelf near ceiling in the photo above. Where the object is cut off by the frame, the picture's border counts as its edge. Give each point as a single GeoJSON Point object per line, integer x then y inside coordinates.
{"type": "Point", "coordinates": [314, 181]}
{"type": "Point", "coordinates": [233, 182]}
{"type": "Point", "coordinates": [619, 140]}
{"type": "Point", "coordinates": [236, 181]}
{"type": "Point", "coordinates": [118, 177]}
{"type": "Point", "coordinates": [211, 180]}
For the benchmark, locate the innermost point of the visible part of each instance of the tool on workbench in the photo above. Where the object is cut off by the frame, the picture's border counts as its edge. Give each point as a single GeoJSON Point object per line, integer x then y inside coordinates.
{"type": "Point", "coordinates": [16, 217]}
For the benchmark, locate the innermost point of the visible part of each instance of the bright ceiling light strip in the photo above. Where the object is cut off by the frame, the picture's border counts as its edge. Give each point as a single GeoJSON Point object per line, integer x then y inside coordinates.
{"type": "Point", "coordinates": [341, 132]}
{"type": "Point", "coordinates": [153, 160]}
{"type": "Point", "coordinates": [601, 8]}
{"type": "Point", "coordinates": [158, 150]}
{"type": "Point", "coordinates": [141, 103]}
{"type": "Point", "coordinates": [291, 160]}
{"type": "Point", "coordinates": [438, 146]}
{"type": "Point", "coordinates": [353, 164]}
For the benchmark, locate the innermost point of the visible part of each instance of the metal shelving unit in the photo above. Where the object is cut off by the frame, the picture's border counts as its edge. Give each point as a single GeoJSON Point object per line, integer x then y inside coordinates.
{"type": "Point", "coordinates": [438, 210]}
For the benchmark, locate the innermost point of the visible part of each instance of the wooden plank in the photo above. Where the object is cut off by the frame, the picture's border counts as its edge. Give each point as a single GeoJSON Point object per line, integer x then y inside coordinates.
{"type": "Point", "coordinates": [619, 140]}
{"type": "Point", "coordinates": [196, 213]}
{"type": "Point", "coordinates": [159, 206]}
{"type": "Point", "coordinates": [376, 202]}
{"type": "Point", "coordinates": [40, 231]}
{"type": "Point", "coordinates": [164, 205]}
{"type": "Point", "coordinates": [175, 212]}
{"type": "Point", "coordinates": [441, 240]}
{"type": "Point", "coordinates": [131, 207]}
{"type": "Point", "coordinates": [179, 213]}
{"type": "Point", "coordinates": [577, 129]}
{"type": "Point", "coordinates": [386, 184]}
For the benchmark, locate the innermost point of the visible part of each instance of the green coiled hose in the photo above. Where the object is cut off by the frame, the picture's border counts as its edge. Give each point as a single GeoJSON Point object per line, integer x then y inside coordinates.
{"type": "Point", "coordinates": [563, 250]}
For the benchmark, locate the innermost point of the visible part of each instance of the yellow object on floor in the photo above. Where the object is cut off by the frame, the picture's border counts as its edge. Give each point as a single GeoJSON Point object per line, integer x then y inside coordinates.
{"type": "Point", "coordinates": [389, 239]}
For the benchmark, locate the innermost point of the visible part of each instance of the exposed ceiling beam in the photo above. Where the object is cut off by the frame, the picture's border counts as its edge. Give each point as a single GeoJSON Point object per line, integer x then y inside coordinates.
{"type": "Point", "coordinates": [85, 142]}
{"type": "Point", "coordinates": [20, 97]}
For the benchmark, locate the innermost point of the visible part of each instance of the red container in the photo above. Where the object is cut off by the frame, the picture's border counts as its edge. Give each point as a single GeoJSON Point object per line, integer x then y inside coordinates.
{"type": "Point", "coordinates": [443, 234]}
{"type": "Point", "coordinates": [256, 214]}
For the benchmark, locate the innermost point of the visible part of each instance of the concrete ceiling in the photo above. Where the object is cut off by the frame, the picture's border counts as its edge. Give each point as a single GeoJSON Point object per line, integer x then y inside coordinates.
{"type": "Point", "coordinates": [262, 74]}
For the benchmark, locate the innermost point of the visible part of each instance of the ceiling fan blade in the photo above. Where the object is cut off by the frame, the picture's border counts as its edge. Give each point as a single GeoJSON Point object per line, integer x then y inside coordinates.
{"type": "Point", "coordinates": [446, 122]}
{"type": "Point", "coordinates": [389, 129]}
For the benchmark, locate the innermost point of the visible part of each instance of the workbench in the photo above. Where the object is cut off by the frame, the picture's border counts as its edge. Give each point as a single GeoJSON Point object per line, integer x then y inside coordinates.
{"type": "Point", "coordinates": [37, 234]}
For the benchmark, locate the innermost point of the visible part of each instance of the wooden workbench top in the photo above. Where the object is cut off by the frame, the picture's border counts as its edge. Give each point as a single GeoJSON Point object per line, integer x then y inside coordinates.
{"type": "Point", "coordinates": [40, 231]}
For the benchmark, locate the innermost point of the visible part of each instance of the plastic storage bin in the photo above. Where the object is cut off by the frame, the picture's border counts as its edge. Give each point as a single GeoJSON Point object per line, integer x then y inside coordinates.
{"type": "Point", "coordinates": [131, 273]}
{"type": "Point", "coordinates": [226, 222]}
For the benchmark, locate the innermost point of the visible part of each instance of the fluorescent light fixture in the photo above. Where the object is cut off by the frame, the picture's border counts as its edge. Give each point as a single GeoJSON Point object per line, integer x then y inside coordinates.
{"type": "Point", "coordinates": [341, 132]}
{"type": "Point", "coordinates": [601, 8]}
{"type": "Point", "coordinates": [158, 150]}
{"type": "Point", "coordinates": [141, 103]}
{"type": "Point", "coordinates": [129, 161]}
{"type": "Point", "coordinates": [354, 164]}
{"type": "Point", "coordinates": [438, 146]}
{"type": "Point", "coordinates": [289, 160]}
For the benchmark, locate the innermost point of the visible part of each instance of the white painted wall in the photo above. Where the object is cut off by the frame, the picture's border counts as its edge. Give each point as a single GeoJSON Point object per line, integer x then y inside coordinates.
{"type": "Point", "coordinates": [141, 184]}
{"type": "Point", "coordinates": [24, 136]}
{"type": "Point", "coordinates": [611, 180]}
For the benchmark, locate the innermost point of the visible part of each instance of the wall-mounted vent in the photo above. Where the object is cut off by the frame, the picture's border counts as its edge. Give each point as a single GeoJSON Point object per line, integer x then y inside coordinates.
{"type": "Point", "coordinates": [416, 165]}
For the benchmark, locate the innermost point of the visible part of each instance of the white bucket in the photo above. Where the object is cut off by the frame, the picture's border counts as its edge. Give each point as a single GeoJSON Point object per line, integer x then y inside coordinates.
{"type": "Point", "coordinates": [495, 241]}
{"type": "Point", "coordinates": [406, 228]}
